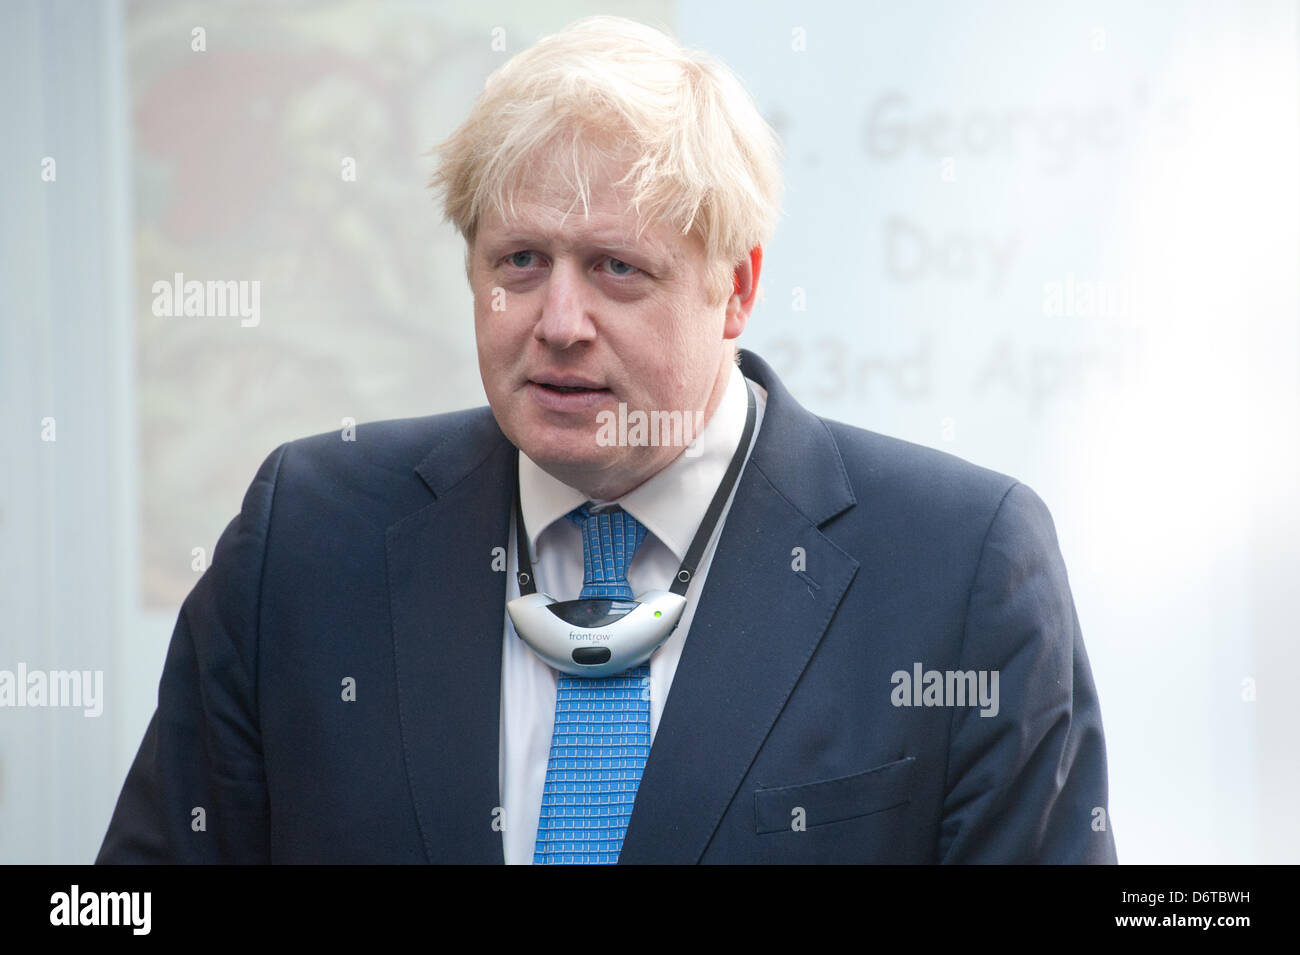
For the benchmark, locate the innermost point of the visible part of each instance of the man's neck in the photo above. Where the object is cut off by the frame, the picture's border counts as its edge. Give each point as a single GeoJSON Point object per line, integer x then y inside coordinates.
{"type": "Point", "coordinates": [611, 487]}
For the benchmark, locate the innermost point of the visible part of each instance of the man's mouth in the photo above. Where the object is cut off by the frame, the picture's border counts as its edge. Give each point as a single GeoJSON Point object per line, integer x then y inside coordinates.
{"type": "Point", "coordinates": [569, 394]}
{"type": "Point", "coordinates": [567, 386]}
{"type": "Point", "coordinates": [569, 390]}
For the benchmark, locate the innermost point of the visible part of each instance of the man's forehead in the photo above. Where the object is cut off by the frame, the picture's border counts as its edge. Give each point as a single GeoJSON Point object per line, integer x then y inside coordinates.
{"type": "Point", "coordinates": [606, 224]}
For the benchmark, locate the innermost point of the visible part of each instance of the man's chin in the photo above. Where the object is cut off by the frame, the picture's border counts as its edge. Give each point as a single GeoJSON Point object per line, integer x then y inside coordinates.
{"type": "Point", "coordinates": [569, 463]}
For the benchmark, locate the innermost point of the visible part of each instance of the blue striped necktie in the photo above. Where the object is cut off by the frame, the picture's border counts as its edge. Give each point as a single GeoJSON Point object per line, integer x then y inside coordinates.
{"type": "Point", "coordinates": [602, 726]}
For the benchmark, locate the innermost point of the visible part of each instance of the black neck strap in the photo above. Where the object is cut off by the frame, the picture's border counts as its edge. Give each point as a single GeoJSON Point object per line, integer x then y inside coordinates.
{"type": "Point", "coordinates": [686, 572]}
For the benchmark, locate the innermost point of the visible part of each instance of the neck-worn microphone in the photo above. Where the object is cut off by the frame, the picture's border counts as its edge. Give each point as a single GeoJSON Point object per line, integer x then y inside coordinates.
{"type": "Point", "coordinates": [601, 636]}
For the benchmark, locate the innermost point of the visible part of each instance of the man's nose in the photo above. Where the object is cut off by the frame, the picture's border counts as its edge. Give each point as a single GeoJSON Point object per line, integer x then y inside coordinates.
{"type": "Point", "coordinates": [564, 319]}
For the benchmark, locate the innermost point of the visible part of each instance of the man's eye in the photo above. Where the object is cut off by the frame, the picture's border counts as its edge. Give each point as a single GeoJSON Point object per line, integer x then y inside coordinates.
{"type": "Point", "coordinates": [619, 267]}
{"type": "Point", "coordinates": [513, 259]}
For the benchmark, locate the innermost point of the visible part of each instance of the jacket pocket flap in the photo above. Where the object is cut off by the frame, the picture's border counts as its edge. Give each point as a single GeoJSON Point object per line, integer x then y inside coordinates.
{"type": "Point", "coordinates": [834, 800]}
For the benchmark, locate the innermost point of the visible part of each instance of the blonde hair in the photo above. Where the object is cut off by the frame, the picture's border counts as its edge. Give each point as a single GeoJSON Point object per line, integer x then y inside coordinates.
{"type": "Point", "coordinates": [703, 157]}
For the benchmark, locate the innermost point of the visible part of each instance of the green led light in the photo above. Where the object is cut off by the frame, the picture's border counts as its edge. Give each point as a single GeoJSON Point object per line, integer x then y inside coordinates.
{"type": "Point", "coordinates": [659, 613]}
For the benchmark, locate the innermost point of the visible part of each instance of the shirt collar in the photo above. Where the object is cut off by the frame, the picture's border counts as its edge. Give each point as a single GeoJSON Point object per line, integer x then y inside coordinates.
{"type": "Point", "coordinates": [672, 503]}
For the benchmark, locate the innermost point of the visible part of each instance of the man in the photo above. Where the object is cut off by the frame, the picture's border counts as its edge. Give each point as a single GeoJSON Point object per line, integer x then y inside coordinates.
{"type": "Point", "coordinates": [877, 660]}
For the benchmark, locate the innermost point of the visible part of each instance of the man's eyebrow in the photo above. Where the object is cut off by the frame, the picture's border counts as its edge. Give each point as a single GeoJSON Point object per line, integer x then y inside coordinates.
{"type": "Point", "coordinates": [610, 241]}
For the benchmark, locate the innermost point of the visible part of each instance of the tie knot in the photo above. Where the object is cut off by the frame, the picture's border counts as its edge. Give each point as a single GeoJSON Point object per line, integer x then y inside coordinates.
{"type": "Point", "coordinates": [610, 539]}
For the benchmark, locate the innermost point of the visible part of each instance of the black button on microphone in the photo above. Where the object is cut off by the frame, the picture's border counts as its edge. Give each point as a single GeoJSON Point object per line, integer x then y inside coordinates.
{"type": "Point", "coordinates": [590, 656]}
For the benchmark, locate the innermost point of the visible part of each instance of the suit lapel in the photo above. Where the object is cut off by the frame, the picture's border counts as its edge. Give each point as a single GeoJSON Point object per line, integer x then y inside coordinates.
{"type": "Point", "coordinates": [757, 624]}
{"type": "Point", "coordinates": [447, 607]}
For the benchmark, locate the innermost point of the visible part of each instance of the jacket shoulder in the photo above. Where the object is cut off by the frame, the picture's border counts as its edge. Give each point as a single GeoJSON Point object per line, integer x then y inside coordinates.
{"type": "Point", "coordinates": [397, 441]}
{"type": "Point", "coordinates": [931, 497]}
{"type": "Point", "coordinates": [897, 472]}
{"type": "Point", "coordinates": [382, 469]}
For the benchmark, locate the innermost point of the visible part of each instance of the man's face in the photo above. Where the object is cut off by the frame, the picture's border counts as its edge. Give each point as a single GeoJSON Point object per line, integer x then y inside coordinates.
{"type": "Point", "coordinates": [575, 315]}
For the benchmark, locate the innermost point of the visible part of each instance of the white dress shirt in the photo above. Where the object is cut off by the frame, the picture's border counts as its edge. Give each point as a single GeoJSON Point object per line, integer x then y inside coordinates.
{"type": "Point", "coordinates": [671, 505]}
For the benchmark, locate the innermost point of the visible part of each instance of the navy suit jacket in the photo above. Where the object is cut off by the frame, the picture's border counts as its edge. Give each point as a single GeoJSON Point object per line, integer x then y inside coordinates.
{"type": "Point", "coordinates": [780, 740]}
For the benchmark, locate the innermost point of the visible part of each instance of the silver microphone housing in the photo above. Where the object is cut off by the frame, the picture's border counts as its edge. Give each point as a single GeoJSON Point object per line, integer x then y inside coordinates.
{"type": "Point", "coordinates": [625, 632]}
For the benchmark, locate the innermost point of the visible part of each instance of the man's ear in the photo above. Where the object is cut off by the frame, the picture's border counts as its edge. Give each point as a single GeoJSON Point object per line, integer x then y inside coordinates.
{"type": "Point", "coordinates": [744, 292]}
